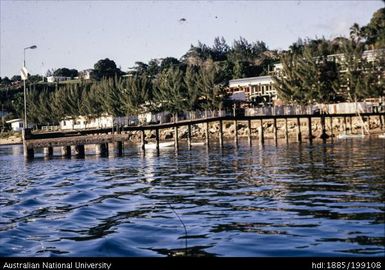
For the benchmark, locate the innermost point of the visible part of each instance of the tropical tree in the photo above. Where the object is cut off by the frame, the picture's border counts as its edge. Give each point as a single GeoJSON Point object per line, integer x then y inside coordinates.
{"type": "Point", "coordinates": [106, 68]}
{"type": "Point", "coordinates": [170, 91]}
{"type": "Point", "coordinates": [137, 90]}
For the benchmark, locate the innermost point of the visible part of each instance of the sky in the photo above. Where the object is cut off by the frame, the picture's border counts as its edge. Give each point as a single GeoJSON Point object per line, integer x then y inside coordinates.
{"type": "Point", "coordinates": [76, 34]}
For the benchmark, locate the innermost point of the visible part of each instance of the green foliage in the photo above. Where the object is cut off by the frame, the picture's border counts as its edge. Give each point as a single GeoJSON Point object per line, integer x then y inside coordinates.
{"type": "Point", "coordinates": [170, 91]}
{"type": "Point", "coordinates": [106, 68]}
{"type": "Point", "coordinates": [65, 72]}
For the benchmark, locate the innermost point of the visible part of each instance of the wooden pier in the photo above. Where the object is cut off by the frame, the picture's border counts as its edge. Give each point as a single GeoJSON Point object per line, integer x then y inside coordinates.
{"type": "Point", "coordinates": [73, 142]}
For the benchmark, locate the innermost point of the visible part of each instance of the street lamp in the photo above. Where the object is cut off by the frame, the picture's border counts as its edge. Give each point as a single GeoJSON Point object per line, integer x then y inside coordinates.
{"type": "Point", "coordinates": [25, 93]}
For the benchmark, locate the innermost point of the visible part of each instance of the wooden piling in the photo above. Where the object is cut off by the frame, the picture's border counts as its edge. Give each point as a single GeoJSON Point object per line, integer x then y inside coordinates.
{"type": "Point", "coordinates": [48, 151]}
{"type": "Point", "coordinates": [101, 149]}
{"type": "Point", "coordinates": [351, 124]}
{"type": "Point", "coordinates": [79, 149]}
{"type": "Point", "coordinates": [275, 129]}
{"type": "Point", "coordinates": [236, 132]}
{"type": "Point", "coordinates": [176, 138]}
{"type": "Point", "coordinates": [157, 137]}
{"type": "Point", "coordinates": [220, 133]}
{"type": "Point", "coordinates": [207, 134]}
{"type": "Point", "coordinates": [310, 134]}
{"type": "Point", "coordinates": [143, 140]}
{"type": "Point", "coordinates": [345, 126]}
{"type": "Point", "coordinates": [286, 131]}
{"type": "Point", "coordinates": [260, 132]}
{"type": "Point", "coordinates": [29, 152]}
{"type": "Point", "coordinates": [323, 126]}
{"type": "Point", "coordinates": [381, 122]}
{"type": "Point", "coordinates": [66, 151]}
{"type": "Point", "coordinates": [119, 148]}
{"type": "Point", "coordinates": [189, 136]}
{"type": "Point", "coordinates": [249, 131]}
{"type": "Point", "coordinates": [299, 134]}
{"type": "Point", "coordinates": [331, 127]}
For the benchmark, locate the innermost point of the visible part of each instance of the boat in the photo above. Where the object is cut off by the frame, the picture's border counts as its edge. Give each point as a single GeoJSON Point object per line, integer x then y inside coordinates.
{"type": "Point", "coordinates": [161, 145]}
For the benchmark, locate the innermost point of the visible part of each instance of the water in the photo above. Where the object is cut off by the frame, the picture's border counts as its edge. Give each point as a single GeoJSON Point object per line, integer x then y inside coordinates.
{"type": "Point", "coordinates": [285, 200]}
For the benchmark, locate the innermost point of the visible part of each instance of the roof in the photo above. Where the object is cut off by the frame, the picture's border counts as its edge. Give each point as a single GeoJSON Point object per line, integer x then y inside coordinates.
{"type": "Point", "coordinates": [250, 81]}
{"type": "Point", "coordinates": [14, 120]}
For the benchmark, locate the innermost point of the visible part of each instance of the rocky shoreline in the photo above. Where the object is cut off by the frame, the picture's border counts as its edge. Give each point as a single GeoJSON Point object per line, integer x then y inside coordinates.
{"type": "Point", "coordinates": [198, 130]}
{"type": "Point", "coordinates": [373, 124]}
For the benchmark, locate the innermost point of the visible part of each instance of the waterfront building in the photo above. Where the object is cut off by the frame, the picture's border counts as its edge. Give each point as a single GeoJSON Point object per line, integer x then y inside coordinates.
{"type": "Point", "coordinates": [257, 89]}
{"type": "Point", "coordinates": [16, 124]}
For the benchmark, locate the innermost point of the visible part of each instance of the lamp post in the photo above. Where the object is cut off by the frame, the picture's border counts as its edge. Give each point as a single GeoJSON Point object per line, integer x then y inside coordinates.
{"type": "Point", "coordinates": [25, 92]}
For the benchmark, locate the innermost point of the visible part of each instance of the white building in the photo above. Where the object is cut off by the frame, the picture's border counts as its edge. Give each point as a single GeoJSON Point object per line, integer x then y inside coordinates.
{"type": "Point", "coordinates": [52, 79]}
{"type": "Point", "coordinates": [16, 124]}
{"type": "Point", "coordinates": [259, 89]}
{"type": "Point", "coordinates": [86, 74]}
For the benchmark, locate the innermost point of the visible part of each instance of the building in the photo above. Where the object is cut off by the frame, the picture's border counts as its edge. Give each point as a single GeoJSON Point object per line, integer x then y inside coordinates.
{"type": "Point", "coordinates": [52, 79]}
{"type": "Point", "coordinates": [257, 89]}
{"type": "Point", "coordinates": [16, 124]}
{"type": "Point", "coordinates": [86, 74]}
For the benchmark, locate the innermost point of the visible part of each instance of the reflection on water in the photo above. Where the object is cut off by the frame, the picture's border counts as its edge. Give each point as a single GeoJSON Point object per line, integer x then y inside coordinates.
{"type": "Point", "coordinates": [284, 200]}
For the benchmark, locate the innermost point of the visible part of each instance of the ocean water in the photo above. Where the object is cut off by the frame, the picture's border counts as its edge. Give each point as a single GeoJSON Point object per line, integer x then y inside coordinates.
{"type": "Point", "coordinates": [295, 199]}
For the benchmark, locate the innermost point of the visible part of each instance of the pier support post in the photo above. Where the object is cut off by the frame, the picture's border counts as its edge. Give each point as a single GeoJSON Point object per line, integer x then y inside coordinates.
{"type": "Point", "coordinates": [220, 133]}
{"type": "Point", "coordinates": [310, 134]}
{"type": "Point", "coordinates": [189, 136]}
{"type": "Point", "coordinates": [236, 132]}
{"type": "Point", "coordinates": [79, 149]}
{"type": "Point", "coordinates": [249, 131]}
{"type": "Point", "coordinates": [331, 127]}
{"type": "Point", "coordinates": [143, 140]}
{"type": "Point", "coordinates": [323, 126]}
{"type": "Point", "coordinates": [351, 124]}
{"type": "Point", "coordinates": [345, 126]}
{"type": "Point", "coordinates": [48, 151]}
{"type": "Point", "coordinates": [101, 149]}
{"type": "Point", "coordinates": [299, 134]}
{"type": "Point", "coordinates": [176, 138]}
{"type": "Point", "coordinates": [66, 151]}
{"type": "Point", "coordinates": [286, 131]}
{"type": "Point", "coordinates": [207, 134]}
{"type": "Point", "coordinates": [29, 153]}
{"type": "Point", "coordinates": [119, 148]}
{"type": "Point", "coordinates": [260, 132]}
{"type": "Point", "coordinates": [157, 138]}
{"type": "Point", "coordinates": [381, 122]}
{"type": "Point", "coordinates": [275, 129]}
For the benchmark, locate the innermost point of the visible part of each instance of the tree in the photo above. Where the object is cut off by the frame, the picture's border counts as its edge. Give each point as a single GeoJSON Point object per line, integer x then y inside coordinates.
{"type": "Point", "coordinates": [65, 72]}
{"type": "Point", "coordinates": [374, 31]}
{"type": "Point", "coordinates": [106, 68]}
{"type": "Point", "coordinates": [170, 91]}
{"type": "Point", "coordinates": [169, 62]}
{"type": "Point", "coordinates": [6, 81]}
{"type": "Point", "coordinates": [136, 92]}
{"type": "Point", "coordinates": [193, 92]}
{"type": "Point", "coordinates": [16, 78]}
{"type": "Point", "coordinates": [288, 83]}
{"type": "Point", "coordinates": [211, 87]}
{"type": "Point", "coordinates": [220, 49]}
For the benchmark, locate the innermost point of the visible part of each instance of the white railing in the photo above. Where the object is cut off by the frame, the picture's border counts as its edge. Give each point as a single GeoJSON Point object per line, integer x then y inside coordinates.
{"type": "Point", "coordinates": [338, 108]}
